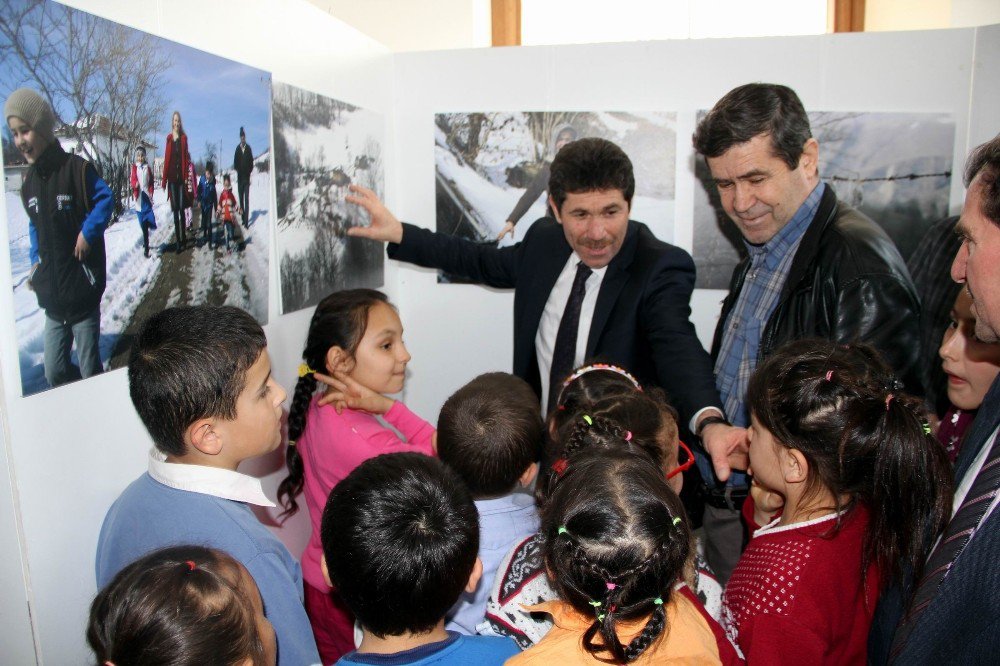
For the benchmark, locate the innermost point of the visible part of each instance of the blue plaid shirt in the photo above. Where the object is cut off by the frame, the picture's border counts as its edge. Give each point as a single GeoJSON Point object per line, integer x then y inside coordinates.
{"type": "Point", "coordinates": [769, 267]}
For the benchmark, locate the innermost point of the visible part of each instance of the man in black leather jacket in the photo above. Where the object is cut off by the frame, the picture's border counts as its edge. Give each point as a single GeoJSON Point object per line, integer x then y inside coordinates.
{"type": "Point", "coordinates": [815, 268]}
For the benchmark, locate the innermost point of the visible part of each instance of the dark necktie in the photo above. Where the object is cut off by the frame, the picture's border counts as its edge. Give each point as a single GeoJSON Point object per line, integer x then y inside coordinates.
{"type": "Point", "coordinates": [564, 351]}
{"type": "Point", "coordinates": [956, 536]}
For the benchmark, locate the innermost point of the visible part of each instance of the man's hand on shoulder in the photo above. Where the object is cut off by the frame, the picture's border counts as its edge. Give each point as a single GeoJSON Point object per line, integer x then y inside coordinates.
{"type": "Point", "coordinates": [384, 225]}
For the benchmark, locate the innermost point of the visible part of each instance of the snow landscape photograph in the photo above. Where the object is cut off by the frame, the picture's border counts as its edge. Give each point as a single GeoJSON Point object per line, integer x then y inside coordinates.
{"type": "Point", "coordinates": [113, 90]}
{"type": "Point", "coordinates": [896, 168]}
{"type": "Point", "coordinates": [321, 147]}
{"type": "Point", "coordinates": [492, 168]}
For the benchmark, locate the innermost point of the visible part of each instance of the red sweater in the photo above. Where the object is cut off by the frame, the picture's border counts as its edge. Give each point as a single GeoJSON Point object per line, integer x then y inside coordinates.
{"type": "Point", "coordinates": [796, 596]}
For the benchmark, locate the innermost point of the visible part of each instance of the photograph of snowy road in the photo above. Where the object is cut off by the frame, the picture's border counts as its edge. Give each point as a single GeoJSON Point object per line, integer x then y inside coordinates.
{"type": "Point", "coordinates": [127, 85]}
{"type": "Point", "coordinates": [321, 147]}
{"type": "Point", "coordinates": [894, 167]}
{"type": "Point", "coordinates": [492, 168]}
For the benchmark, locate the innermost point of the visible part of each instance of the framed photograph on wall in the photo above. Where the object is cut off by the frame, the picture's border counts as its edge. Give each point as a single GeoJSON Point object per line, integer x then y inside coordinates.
{"type": "Point", "coordinates": [118, 93]}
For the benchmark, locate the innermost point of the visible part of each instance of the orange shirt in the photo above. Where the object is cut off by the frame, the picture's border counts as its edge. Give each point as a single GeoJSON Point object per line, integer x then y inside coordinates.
{"type": "Point", "coordinates": [687, 638]}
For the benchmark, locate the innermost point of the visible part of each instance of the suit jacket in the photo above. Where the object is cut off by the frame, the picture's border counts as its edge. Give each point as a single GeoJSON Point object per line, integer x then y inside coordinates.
{"type": "Point", "coordinates": [962, 623]}
{"type": "Point", "coordinates": [641, 319]}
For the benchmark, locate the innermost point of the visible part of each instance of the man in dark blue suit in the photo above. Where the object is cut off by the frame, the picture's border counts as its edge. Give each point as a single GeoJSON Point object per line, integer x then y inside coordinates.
{"type": "Point", "coordinates": [950, 615]}
{"type": "Point", "coordinates": [590, 284]}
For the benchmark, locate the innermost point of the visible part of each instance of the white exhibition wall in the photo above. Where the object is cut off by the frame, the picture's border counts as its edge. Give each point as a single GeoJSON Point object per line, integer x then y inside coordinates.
{"type": "Point", "coordinates": [70, 451]}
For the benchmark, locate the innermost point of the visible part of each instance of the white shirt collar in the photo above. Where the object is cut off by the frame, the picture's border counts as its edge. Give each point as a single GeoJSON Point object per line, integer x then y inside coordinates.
{"type": "Point", "coordinates": [214, 481]}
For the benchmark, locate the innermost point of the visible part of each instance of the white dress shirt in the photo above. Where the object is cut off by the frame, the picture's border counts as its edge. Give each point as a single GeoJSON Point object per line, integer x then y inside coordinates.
{"type": "Point", "coordinates": [548, 327]}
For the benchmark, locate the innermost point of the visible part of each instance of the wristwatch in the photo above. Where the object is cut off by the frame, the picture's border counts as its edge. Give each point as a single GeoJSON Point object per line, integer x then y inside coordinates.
{"type": "Point", "coordinates": [707, 421]}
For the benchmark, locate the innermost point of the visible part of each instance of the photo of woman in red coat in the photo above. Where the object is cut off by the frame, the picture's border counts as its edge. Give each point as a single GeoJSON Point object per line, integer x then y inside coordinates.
{"type": "Point", "coordinates": [176, 160]}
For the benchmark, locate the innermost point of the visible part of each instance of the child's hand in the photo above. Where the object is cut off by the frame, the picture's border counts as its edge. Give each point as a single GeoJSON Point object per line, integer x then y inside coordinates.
{"type": "Point", "coordinates": [766, 503]}
{"type": "Point", "coordinates": [345, 392]}
{"type": "Point", "coordinates": [82, 248]}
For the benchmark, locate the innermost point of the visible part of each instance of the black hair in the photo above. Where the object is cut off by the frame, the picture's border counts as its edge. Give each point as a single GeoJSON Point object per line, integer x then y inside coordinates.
{"type": "Point", "coordinates": [339, 320]}
{"type": "Point", "coordinates": [615, 534]}
{"type": "Point", "coordinates": [985, 163]}
{"type": "Point", "coordinates": [587, 165]}
{"type": "Point", "coordinates": [642, 422]}
{"type": "Point", "coordinates": [179, 606]}
{"type": "Point", "coordinates": [863, 439]}
{"type": "Point", "coordinates": [400, 535]}
{"type": "Point", "coordinates": [226, 178]}
{"type": "Point", "coordinates": [490, 432]}
{"type": "Point", "coordinates": [583, 389]}
{"type": "Point", "coordinates": [189, 363]}
{"type": "Point", "coordinates": [140, 149]}
{"type": "Point", "coordinates": [210, 166]}
{"type": "Point", "coordinates": [752, 110]}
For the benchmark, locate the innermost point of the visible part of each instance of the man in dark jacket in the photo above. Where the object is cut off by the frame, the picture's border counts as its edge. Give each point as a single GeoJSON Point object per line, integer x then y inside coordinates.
{"type": "Point", "coordinates": [243, 163]}
{"type": "Point", "coordinates": [815, 268]}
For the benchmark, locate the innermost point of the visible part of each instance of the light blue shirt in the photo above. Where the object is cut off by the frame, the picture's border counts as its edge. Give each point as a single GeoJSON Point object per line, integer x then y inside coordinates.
{"type": "Point", "coordinates": [503, 523]}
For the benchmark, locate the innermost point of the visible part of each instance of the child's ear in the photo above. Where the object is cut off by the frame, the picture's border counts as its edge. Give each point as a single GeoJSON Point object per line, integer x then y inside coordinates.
{"type": "Point", "coordinates": [795, 466]}
{"type": "Point", "coordinates": [203, 436]}
{"type": "Point", "coordinates": [338, 359]}
{"type": "Point", "coordinates": [477, 573]}
{"type": "Point", "coordinates": [325, 570]}
{"type": "Point", "coordinates": [529, 475]}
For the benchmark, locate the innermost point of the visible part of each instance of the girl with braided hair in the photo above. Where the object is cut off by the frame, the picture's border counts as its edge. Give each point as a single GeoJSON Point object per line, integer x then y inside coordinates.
{"type": "Point", "coordinates": [615, 542]}
{"type": "Point", "coordinates": [614, 416]}
{"type": "Point", "coordinates": [355, 348]}
{"type": "Point", "coordinates": [181, 606]}
{"type": "Point", "coordinates": [866, 490]}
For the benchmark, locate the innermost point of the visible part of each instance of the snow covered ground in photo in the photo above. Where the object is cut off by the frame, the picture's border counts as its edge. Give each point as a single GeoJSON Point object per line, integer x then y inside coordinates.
{"type": "Point", "coordinates": [130, 275]}
{"type": "Point", "coordinates": [491, 202]}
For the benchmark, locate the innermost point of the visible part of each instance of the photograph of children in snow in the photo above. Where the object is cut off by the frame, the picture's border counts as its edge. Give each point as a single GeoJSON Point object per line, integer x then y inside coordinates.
{"type": "Point", "coordinates": [321, 147]}
{"type": "Point", "coordinates": [894, 167]}
{"type": "Point", "coordinates": [492, 168]}
{"type": "Point", "coordinates": [115, 147]}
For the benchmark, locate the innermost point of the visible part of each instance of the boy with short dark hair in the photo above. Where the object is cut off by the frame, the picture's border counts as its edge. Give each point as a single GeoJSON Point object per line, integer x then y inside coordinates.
{"type": "Point", "coordinates": [68, 208]}
{"type": "Point", "coordinates": [490, 432]}
{"type": "Point", "coordinates": [400, 536]}
{"type": "Point", "coordinates": [200, 379]}
{"type": "Point", "coordinates": [229, 208]}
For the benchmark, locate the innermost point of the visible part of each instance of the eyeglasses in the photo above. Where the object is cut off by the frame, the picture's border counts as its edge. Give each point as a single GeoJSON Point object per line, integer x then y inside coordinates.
{"type": "Point", "coordinates": [686, 465]}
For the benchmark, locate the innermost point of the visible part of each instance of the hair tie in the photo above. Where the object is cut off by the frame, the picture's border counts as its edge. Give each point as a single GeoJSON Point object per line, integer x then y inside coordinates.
{"type": "Point", "coordinates": [191, 565]}
{"type": "Point", "coordinates": [595, 604]}
{"type": "Point", "coordinates": [628, 435]}
{"type": "Point", "coordinates": [610, 586]}
{"type": "Point", "coordinates": [304, 370]}
{"type": "Point", "coordinates": [888, 399]}
{"type": "Point", "coordinates": [658, 601]}
{"type": "Point", "coordinates": [588, 420]}
{"type": "Point", "coordinates": [562, 529]}
{"type": "Point", "coordinates": [927, 427]}
{"type": "Point", "coordinates": [829, 375]}
{"type": "Point", "coordinates": [677, 521]}
{"type": "Point", "coordinates": [559, 466]}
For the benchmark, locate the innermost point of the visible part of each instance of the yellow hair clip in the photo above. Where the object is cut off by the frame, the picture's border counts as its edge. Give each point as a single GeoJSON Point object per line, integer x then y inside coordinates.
{"type": "Point", "coordinates": [304, 370]}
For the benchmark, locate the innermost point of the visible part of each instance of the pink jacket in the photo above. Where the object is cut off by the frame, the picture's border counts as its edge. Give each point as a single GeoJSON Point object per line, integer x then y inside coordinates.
{"type": "Point", "coordinates": [332, 445]}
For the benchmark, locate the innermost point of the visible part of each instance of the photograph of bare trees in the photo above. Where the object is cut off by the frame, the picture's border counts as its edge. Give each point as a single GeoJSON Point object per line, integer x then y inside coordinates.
{"type": "Point", "coordinates": [894, 167]}
{"type": "Point", "coordinates": [492, 168]}
{"type": "Point", "coordinates": [321, 147]}
{"type": "Point", "coordinates": [117, 94]}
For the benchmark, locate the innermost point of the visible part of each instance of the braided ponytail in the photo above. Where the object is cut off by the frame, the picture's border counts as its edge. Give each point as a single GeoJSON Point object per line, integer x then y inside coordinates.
{"type": "Point", "coordinates": [615, 537]}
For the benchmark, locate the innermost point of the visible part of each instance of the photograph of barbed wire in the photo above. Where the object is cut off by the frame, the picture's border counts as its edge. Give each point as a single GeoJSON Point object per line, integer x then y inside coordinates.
{"type": "Point", "coordinates": [322, 146]}
{"type": "Point", "coordinates": [492, 168]}
{"type": "Point", "coordinates": [895, 167]}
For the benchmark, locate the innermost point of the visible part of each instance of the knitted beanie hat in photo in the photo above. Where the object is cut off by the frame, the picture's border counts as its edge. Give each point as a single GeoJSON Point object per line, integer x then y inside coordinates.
{"type": "Point", "coordinates": [32, 108]}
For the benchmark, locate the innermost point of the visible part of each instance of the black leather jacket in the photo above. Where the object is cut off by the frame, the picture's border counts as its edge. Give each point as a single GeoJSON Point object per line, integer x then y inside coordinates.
{"type": "Point", "coordinates": [847, 283]}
